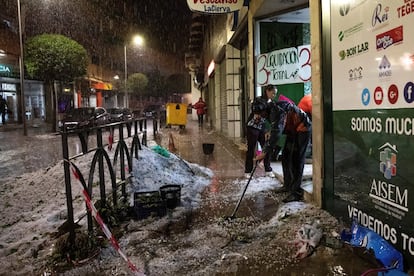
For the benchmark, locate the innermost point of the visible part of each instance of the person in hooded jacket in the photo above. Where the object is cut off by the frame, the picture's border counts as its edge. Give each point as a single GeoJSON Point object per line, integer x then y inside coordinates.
{"type": "Point", "coordinates": [287, 118]}
{"type": "Point", "coordinates": [255, 134]}
{"type": "Point", "coordinates": [257, 130]}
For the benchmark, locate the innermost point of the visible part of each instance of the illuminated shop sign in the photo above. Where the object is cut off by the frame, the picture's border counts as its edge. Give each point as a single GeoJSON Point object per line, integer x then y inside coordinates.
{"type": "Point", "coordinates": [215, 6]}
{"type": "Point", "coordinates": [8, 87]}
{"type": "Point", "coordinates": [5, 69]}
{"type": "Point", "coordinates": [211, 68]}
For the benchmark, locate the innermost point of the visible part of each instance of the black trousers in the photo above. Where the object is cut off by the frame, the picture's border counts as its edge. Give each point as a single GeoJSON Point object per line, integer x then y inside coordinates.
{"type": "Point", "coordinates": [200, 119]}
{"type": "Point", "coordinates": [254, 136]}
{"type": "Point", "coordinates": [293, 161]}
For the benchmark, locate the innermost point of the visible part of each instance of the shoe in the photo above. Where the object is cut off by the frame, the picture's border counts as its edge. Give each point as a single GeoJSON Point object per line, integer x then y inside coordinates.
{"type": "Point", "coordinates": [292, 197]}
{"type": "Point", "coordinates": [283, 189]}
{"type": "Point", "coordinates": [247, 175]}
{"type": "Point", "coordinates": [270, 174]}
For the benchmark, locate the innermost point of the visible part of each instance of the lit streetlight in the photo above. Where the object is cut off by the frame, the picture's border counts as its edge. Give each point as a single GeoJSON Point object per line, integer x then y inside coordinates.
{"type": "Point", "coordinates": [21, 64]}
{"type": "Point", "coordinates": [139, 41]}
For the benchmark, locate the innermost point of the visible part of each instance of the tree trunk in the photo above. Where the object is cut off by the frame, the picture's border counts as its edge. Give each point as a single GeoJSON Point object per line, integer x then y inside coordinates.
{"type": "Point", "coordinates": [54, 108]}
{"type": "Point", "coordinates": [50, 104]}
{"type": "Point", "coordinates": [48, 101]}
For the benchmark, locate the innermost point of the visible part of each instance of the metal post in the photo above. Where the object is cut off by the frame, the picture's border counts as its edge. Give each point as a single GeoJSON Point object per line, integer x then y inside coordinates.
{"type": "Point", "coordinates": [126, 103]}
{"type": "Point", "coordinates": [21, 64]}
{"type": "Point", "coordinates": [68, 187]}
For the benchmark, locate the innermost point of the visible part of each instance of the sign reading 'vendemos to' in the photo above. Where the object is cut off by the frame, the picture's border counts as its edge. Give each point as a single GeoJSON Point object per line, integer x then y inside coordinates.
{"type": "Point", "coordinates": [215, 6]}
{"type": "Point", "coordinates": [373, 116]}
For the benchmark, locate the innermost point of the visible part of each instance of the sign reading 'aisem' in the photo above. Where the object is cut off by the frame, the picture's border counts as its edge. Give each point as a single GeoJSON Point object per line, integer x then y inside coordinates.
{"type": "Point", "coordinates": [215, 6]}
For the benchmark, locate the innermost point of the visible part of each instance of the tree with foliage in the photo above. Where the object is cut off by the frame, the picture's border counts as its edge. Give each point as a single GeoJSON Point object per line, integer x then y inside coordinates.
{"type": "Point", "coordinates": [179, 83]}
{"type": "Point", "coordinates": [137, 83]}
{"type": "Point", "coordinates": [53, 57]}
{"type": "Point", "coordinates": [156, 84]}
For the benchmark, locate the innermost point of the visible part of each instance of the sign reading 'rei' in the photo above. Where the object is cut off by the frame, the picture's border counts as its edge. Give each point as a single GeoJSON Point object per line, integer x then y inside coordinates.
{"type": "Point", "coordinates": [215, 6]}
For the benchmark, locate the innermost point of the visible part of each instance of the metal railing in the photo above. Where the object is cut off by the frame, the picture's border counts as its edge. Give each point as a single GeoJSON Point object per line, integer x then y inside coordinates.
{"type": "Point", "coordinates": [134, 128]}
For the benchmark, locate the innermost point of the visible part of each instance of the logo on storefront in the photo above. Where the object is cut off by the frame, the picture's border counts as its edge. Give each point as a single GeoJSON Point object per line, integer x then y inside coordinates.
{"type": "Point", "coordinates": [388, 197]}
{"type": "Point", "coordinates": [388, 160]}
{"type": "Point", "coordinates": [378, 95]}
{"type": "Point", "coordinates": [354, 51]}
{"type": "Point", "coordinates": [215, 6]}
{"type": "Point", "coordinates": [355, 73]}
{"type": "Point", "coordinates": [408, 92]}
{"type": "Point", "coordinates": [391, 37]}
{"type": "Point", "coordinates": [405, 9]}
{"type": "Point", "coordinates": [380, 16]}
{"type": "Point", "coordinates": [350, 31]}
{"type": "Point", "coordinates": [344, 9]}
{"type": "Point", "coordinates": [365, 96]}
{"type": "Point", "coordinates": [393, 94]}
{"type": "Point", "coordinates": [384, 67]}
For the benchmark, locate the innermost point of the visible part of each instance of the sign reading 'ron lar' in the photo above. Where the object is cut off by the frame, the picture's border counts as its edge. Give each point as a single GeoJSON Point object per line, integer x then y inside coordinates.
{"type": "Point", "coordinates": [215, 6]}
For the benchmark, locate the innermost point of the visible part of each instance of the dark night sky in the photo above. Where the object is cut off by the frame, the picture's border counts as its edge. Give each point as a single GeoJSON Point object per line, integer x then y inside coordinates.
{"type": "Point", "coordinates": [167, 22]}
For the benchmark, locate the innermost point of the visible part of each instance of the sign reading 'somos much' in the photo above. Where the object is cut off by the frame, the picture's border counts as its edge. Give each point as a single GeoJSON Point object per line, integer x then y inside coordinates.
{"type": "Point", "coordinates": [215, 6]}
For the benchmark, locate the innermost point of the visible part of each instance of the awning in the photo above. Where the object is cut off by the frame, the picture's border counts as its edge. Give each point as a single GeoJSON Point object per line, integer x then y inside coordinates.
{"type": "Point", "coordinates": [98, 84]}
{"type": "Point", "coordinates": [101, 85]}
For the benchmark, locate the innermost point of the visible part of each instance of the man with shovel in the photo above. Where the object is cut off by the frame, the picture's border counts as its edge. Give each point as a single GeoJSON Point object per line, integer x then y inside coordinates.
{"type": "Point", "coordinates": [286, 118]}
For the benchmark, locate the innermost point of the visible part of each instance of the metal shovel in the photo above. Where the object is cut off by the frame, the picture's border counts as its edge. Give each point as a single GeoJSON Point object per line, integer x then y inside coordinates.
{"type": "Point", "coordinates": [233, 215]}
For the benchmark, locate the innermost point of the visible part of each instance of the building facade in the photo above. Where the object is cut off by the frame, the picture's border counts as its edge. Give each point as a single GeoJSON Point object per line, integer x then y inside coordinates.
{"type": "Point", "coordinates": [104, 29]}
{"type": "Point", "coordinates": [358, 69]}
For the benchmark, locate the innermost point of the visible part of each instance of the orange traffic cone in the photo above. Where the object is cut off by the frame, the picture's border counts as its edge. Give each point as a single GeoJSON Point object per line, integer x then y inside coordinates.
{"type": "Point", "coordinates": [171, 146]}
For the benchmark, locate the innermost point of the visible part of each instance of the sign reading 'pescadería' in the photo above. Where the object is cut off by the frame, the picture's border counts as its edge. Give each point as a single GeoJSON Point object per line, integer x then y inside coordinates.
{"type": "Point", "coordinates": [215, 6]}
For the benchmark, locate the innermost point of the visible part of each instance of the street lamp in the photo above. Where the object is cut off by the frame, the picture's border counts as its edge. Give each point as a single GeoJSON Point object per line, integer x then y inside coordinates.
{"type": "Point", "coordinates": [21, 64]}
{"type": "Point", "coordinates": [137, 40]}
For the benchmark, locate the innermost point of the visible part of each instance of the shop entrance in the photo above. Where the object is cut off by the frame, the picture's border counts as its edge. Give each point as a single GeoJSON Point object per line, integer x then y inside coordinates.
{"type": "Point", "coordinates": [283, 59]}
{"type": "Point", "coordinates": [11, 99]}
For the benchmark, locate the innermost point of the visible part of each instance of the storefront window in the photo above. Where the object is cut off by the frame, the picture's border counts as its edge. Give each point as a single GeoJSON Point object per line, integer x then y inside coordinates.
{"type": "Point", "coordinates": [283, 54]}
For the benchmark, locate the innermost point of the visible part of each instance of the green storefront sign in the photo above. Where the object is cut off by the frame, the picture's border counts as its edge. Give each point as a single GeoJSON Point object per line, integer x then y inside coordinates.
{"type": "Point", "coordinates": [373, 174]}
{"type": "Point", "coordinates": [371, 178]}
{"type": "Point", "coordinates": [6, 70]}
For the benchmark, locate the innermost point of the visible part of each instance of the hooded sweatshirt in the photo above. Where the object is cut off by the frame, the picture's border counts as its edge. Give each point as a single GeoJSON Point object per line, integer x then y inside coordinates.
{"type": "Point", "coordinates": [286, 118]}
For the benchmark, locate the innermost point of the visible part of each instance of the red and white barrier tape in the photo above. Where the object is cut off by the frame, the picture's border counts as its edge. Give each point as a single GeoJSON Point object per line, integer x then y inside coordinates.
{"type": "Point", "coordinates": [110, 139]}
{"type": "Point", "coordinates": [101, 223]}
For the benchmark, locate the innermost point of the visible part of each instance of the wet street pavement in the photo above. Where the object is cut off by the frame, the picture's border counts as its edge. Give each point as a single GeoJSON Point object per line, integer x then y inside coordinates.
{"type": "Point", "coordinates": [248, 252]}
{"type": "Point", "coordinates": [227, 162]}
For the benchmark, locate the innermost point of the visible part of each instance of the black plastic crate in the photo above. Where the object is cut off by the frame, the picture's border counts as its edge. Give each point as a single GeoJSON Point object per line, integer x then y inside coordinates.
{"type": "Point", "coordinates": [148, 204]}
{"type": "Point", "coordinates": [171, 194]}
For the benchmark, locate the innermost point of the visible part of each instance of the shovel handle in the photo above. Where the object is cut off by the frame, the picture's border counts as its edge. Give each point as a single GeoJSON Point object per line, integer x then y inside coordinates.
{"type": "Point", "coordinates": [244, 191]}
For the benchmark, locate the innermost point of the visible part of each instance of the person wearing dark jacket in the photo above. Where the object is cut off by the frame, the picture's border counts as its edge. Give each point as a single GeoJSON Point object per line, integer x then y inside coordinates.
{"type": "Point", "coordinates": [256, 129]}
{"type": "Point", "coordinates": [286, 118]}
{"type": "Point", "coordinates": [3, 108]}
